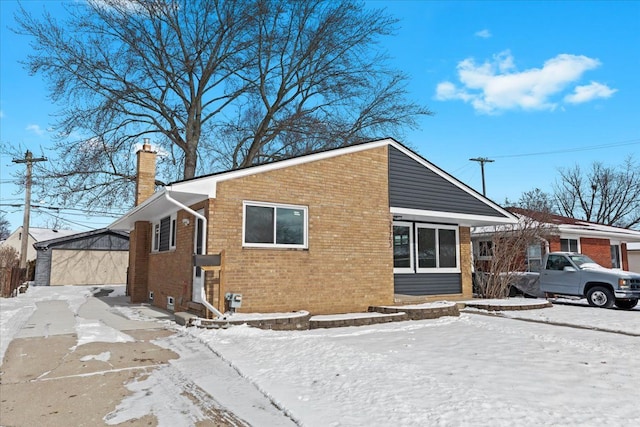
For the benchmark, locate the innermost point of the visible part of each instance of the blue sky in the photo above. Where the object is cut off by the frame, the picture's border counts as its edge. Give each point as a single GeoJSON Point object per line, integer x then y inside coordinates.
{"type": "Point", "coordinates": [535, 86]}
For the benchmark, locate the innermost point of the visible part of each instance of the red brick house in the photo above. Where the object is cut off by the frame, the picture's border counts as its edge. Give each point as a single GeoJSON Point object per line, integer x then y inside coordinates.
{"type": "Point", "coordinates": [330, 232]}
{"type": "Point", "coordinates": [605, 244]}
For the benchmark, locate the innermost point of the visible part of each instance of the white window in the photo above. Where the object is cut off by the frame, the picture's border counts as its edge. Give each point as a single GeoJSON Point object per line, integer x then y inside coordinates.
{"type": "Point", "coordinates": [534, 258]}
{"type": "Point", "coordinates": [569, 245]}
{"type": "Point", "coordinates": [437, 247]}
{"type": "Point", "coordinates": [270, 225]}
{"type": "Point", "coordinates": [485, 249]}
{"type": "Point", "coordinates": [425, 248]}
{"type": "Point", "coordinates": [164, 234]}
{"type": "Point", "coordinates": [616, 259]}
{"type": "Point", "coordinates": [403, 247]}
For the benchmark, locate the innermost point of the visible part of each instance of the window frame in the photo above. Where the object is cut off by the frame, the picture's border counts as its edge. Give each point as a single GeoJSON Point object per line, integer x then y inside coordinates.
{"type": "Point", "coordinates": [489, 245]}
{"type": "Point", "coordinates": [437, 268]}
{"type": "Point", "coordinates": [413, 248]}
{"type": "Point", "coordinates": [530, 258]}
{"type": "Point", "coordinates": [616, 244]}
{"type": "Point", "coordinates": [275, 206]}
{"type": "Point", "coordinates": [410, 269]}
{"type": "Point", "coordinates": [157, 235]}
{"type": "Point", "coordinates": [569, 239]}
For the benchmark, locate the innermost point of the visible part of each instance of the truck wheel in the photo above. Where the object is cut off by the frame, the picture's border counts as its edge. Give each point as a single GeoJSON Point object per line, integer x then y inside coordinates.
{"type": "Point", "coordinates": [626, 304]}
{"type": "Point", "coordinates": [599, 296]}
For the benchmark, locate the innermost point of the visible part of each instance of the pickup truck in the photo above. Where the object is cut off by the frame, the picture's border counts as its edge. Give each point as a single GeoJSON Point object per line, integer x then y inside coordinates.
{"type": "Point", "coordinates": [577, 275]}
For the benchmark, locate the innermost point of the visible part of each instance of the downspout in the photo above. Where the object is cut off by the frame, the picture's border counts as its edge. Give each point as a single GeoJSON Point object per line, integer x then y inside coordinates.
{"type": "Point", "coordinates": [546, 244]}
{"type": "Point", "coordinates": [203, 296]}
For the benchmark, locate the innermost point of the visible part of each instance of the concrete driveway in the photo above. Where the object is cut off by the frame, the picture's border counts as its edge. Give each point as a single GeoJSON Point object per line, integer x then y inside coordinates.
{"type": "Point", "coordinates": [74, 365]}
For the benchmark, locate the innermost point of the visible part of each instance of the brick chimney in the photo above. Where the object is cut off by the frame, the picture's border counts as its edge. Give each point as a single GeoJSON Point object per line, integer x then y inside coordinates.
{"type": "Point", "coordinates": [146, 172]}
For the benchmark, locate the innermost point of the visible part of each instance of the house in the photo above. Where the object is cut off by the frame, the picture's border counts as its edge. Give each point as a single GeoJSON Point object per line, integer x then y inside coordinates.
{"type": "Point", "coordinates": [97, 257]}
{"type": "Point", "coordinates": [607, 245]}
{"type": "Point", "coordinates": [330, 232]}
{"type": "Point", "coordinates": [35, 235]}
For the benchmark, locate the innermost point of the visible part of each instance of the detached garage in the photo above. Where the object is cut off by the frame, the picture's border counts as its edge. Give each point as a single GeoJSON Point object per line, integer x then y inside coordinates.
{"type": "Point", "coordinates": [98, 257]}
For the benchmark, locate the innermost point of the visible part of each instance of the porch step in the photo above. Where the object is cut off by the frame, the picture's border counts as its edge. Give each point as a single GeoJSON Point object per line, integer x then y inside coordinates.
{"type": "Point", "coordinates": [183, 318]}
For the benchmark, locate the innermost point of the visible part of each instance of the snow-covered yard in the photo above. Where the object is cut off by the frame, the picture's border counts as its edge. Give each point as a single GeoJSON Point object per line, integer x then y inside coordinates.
{"type": "Point", "coordinates": [474, 369]}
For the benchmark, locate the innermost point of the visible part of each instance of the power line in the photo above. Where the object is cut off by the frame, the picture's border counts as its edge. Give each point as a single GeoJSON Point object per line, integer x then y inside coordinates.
{"type": "Point", "coordinates": [571, 150]}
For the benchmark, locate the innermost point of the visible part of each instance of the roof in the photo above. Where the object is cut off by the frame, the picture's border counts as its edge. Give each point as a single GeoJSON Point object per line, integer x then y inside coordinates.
{"type": "Point", "coordinates": [78, 236]}
{"type": "Point", "coordinates": [567, 226]}
{"type": "Point", "coordinates": [40, 234]}
{"type": "Point", "coordinates": [188, 192]}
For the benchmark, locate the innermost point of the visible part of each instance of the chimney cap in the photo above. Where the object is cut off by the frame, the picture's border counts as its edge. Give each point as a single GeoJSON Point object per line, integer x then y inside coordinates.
{"type": "Point", "coordinates": [146, 145]}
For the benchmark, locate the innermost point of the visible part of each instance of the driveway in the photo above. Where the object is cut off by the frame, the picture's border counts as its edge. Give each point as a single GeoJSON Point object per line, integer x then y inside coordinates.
{"type": "Point", "coordinates": [80, 362]}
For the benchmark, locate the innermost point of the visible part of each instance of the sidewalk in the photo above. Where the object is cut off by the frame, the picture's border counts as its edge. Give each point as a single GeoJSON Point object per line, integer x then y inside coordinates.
{"type": "Point", "coordinates": [78, 364]}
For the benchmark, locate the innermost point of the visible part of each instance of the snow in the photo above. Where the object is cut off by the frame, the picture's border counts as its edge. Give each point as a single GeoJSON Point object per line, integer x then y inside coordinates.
{"type": "Point", "coordinates": [568, 365]}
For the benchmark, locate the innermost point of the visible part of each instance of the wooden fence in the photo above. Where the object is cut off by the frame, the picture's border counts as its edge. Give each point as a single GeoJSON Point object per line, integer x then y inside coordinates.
{"type": "Point", "coordinates": [11, 279]}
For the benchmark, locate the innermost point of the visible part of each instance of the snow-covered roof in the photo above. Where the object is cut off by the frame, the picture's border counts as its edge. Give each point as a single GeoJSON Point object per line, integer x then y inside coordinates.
{"type": "Point", "coordinates": [40, 234]}
{"type": "Point", "coordinates": [569, 226]}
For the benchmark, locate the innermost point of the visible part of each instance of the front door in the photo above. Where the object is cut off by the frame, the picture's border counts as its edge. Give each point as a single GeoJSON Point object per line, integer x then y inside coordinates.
{"type": "Point", "coordinates": [198, 248]}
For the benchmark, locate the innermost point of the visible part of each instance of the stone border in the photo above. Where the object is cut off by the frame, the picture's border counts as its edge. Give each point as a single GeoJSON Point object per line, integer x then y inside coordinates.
{"type": "Point", "coordinates": [381, 314]}
{"type": "Point", "coordinates": [420, 313]}
{"type": "Point", "coordinates": [507, 307]}
{"type": "Point", "coordinates": [358, 321]}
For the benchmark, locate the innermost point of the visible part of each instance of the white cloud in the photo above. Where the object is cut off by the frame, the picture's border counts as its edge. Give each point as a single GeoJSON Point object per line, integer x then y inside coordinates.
{"type": "Point", "coordinates": [485, 34]}
{"type": "Point", "coordinates": [35, 129]}
{"type": "Point", "coordinates": [497, 85]}
{"type": "Point", "coordinates": [589, 92]}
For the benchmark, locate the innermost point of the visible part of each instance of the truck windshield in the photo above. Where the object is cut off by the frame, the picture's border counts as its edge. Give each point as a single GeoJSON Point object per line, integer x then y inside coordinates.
{"type": "Point", "coordinates": [582, 260]}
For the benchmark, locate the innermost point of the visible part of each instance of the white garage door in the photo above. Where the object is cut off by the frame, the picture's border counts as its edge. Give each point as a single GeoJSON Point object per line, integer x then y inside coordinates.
{"type": "Point", "coordinates": [82, 267]}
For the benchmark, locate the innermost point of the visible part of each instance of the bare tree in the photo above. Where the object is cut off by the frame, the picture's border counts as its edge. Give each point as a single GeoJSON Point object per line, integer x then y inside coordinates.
{"type": "Point", "coordinates": [535, 200]}
{"type": "Point", "coordinates": [9, 257]}
{"type": "Point", "coordinates": [220, 83]}
{"type": "Point", "coordinates": [605, 194]}
{"type": "Point", "coordinates": [505, 254]}
{"type": "Point", "coordinates": [4, 228]}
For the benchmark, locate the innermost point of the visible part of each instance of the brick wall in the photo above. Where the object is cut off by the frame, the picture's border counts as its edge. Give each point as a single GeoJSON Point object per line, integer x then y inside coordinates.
{"type": "Point", "coordinates": [146, 174]}
{"type": "Point", "coordinates": [137, 277]}
{"type": "Point", "coordinates": [465, 262]}
{"type": "Point", "coordinates": [171, 272]}
{"type": "Point", "coordinates": [598, 250]}
{"type": "Point", "coordinates": [348, 265]}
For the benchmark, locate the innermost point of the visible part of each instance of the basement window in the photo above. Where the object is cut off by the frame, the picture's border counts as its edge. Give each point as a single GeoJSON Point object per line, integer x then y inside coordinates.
{"type": "Point", "coordinates": [270, 225]}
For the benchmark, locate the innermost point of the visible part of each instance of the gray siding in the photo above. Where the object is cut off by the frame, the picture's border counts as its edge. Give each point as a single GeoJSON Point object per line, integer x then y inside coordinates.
{"type": "Point", "coordinates": [427, 284]}
{"type": "Point", "coordinates": [43, 268]}
{"type": "Point", "coordinates": [413, 186]}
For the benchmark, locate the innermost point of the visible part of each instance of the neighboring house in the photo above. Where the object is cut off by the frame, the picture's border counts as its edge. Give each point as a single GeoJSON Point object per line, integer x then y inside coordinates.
{"type": "Point", "coordinates": [633, 249]}
{"type": "Point", "coordinates": [35, 235]}
{"type": "Point", "coordinates": [330, 232]}
{"type": "Point", "coordinates": [607, 245]}
{"type": "Point", "coordinates": [97, 257]}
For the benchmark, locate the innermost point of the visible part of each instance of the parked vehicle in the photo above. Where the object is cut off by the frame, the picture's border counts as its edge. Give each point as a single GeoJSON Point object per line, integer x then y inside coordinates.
{"type": "Point", "coordinates": [574, 274]}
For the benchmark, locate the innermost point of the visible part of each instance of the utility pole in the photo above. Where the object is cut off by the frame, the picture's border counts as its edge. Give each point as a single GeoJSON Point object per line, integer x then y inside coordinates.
{"type": "Point", "coordinates": [482, 161]}
{"type": "Point", "coordinates": [29, 160]}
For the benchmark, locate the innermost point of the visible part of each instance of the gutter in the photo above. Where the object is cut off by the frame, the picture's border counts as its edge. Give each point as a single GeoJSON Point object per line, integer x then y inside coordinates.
{"type": "Point", "coordinates": [203, 296]}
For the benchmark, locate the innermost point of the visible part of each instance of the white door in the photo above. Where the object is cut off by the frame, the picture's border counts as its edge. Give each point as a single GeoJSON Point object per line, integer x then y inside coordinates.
{"type": "Point", "coordinates": [198, 248]}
